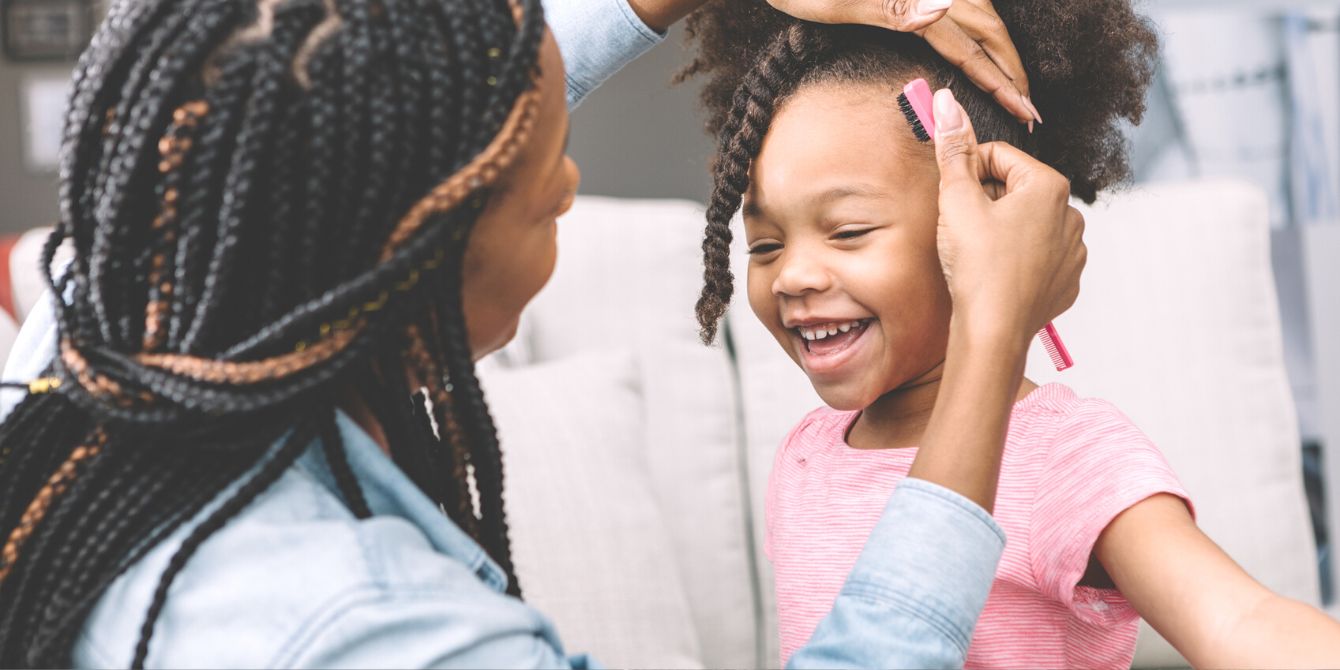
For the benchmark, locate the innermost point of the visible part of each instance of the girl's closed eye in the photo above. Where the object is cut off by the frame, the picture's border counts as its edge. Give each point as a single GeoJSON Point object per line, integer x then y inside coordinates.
{"type": "Point", "coordinates": [851, 232]}
{"type": "Point", "coordinates": [764, 248]}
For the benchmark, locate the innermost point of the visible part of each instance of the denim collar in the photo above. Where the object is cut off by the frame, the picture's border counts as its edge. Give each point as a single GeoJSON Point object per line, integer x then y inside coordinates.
{"type": "Point", "coordinates": [390, 492]}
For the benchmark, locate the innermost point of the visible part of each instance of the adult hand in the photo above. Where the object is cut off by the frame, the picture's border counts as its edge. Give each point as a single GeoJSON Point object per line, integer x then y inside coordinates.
{"type": "Point", "coordinates": [1010, 244]}
{"type": "Point", "coordinates": [967, 33]}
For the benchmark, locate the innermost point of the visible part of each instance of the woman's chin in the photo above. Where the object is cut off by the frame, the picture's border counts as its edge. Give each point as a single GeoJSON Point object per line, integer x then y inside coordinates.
{"type": "Point", "coordinates": [493, 343]}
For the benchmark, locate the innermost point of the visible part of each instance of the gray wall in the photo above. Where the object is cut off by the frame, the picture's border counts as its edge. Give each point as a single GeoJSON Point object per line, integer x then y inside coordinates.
{"type": "Point", "coordinates": [635, 137]}
{"type": "Point", "coordinates": [639, 136]}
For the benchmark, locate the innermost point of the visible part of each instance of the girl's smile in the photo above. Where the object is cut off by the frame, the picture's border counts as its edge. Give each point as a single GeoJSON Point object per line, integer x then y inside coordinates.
{"type": "Point", "coordinates": [828, 346]}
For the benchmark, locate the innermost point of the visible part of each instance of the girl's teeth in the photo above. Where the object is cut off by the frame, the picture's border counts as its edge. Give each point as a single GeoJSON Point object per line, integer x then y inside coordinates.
{"type": "Point", "coordinates": [824, 332]}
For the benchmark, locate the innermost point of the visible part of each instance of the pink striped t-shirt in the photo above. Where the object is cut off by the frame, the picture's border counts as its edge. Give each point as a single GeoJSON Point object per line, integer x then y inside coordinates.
{"type": "Point", "coordinates": [1070, 466]}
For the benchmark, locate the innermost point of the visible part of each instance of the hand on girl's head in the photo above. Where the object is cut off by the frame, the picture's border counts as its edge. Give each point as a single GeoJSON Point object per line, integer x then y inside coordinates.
{"type": "Point", "coordinates": [1012, 253]}
{"type": "Point", "coordinates": [967, 33]}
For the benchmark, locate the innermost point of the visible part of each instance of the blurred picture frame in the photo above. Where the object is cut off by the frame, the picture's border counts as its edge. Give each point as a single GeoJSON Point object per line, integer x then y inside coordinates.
{"type": "Point", "coordinates": [42, 104]}
{"type": "Point", "coordinates": [45, 30]}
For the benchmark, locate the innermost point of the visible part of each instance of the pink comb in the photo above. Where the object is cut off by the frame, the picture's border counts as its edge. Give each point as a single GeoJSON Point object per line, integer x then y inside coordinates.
{"type": "Point", "coordinates": [1051, 341]}
{"type": "Point", "coordinates": [917, 103]}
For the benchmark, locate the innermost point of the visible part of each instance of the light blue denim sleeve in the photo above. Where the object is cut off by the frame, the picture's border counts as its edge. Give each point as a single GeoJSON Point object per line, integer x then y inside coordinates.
{"type": "Point", "coordinates": [913, 597]}
{"type": "Point", "coordinates": [596, 37]}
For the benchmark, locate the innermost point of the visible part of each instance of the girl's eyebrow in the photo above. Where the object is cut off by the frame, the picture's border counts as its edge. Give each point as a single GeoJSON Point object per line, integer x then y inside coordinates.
{"type": "Point", "coordinates": [749, 208]}
{"type": "Point", "coordinates": [848, 191]}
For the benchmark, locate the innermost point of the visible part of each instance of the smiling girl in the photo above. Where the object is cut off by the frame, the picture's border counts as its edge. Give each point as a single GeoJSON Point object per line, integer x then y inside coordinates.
{"type": "Point", "coordinates": [842, 208]}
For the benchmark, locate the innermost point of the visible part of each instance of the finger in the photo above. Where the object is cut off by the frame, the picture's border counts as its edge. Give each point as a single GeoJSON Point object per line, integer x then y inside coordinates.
{"type": "Point", "coordinates": [964, 53]}
{"type": "Point", "coordinates": [998, 161]}
{"type": "Point", "coordinates": [985, 27]}
{"type": "Point", "coordinates": [956, 148]}
{"type": "Point", "coordinates": [901, 15]}
{"type": "Point", "coordinates": [1021, 76]}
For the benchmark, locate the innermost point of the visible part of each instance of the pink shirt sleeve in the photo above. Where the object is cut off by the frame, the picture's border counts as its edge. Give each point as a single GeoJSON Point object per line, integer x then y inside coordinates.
{"type": "Point", "coordinates": [1099, 465]}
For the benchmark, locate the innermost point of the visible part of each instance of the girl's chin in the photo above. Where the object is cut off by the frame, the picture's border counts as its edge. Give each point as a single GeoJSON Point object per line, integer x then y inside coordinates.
{"type": "Point", "coordinates": [846, 397]}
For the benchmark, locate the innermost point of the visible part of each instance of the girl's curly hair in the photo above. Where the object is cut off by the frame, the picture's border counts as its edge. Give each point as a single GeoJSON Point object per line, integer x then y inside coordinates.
{"type": "Point", "coordinates": [1088, 65]}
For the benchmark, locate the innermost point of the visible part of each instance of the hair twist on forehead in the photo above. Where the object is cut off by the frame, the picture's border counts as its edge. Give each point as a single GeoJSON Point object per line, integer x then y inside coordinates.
{"type": "Point", "coordinates": [268, 203]}
{"type": "Point", "coordinates": [1088, 66]}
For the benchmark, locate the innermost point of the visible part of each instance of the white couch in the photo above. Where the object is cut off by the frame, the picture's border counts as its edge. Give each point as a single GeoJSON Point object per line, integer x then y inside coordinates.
{"type": "Point", "coordinates": [637, 458]}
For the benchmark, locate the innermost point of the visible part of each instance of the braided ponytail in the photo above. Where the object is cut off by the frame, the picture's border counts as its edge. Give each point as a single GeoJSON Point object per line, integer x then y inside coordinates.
{"type": "Point", "coordinates": [755, 100]}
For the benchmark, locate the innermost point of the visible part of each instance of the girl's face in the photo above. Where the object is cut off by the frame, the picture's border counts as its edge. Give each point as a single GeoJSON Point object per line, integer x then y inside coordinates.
{"type": "Point", "coordinates": [512, 249]}
{"type": "Point", "coordinates": [840, 219]}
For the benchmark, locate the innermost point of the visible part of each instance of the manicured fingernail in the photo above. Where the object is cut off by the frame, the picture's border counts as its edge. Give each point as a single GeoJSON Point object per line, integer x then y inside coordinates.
{"type": "Point", "coordinates": [1032, 108]}
{"type": "Point", "coordinates": [1030, 126]}
{"type": "Point", "coordinates": [932, 6]}
{"type": "Point", "coordinates": [948, 114]}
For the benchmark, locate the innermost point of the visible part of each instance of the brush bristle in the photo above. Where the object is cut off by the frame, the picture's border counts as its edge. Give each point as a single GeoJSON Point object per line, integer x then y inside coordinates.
{"type": "Point", "coordinates": [912, 120]}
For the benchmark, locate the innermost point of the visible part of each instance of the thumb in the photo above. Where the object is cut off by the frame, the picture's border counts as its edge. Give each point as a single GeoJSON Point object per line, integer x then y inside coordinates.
{"type": "Point", "coordinates": [955, 147]}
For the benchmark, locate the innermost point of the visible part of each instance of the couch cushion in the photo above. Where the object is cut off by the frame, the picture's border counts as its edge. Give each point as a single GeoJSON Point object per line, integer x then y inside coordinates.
{"type": "Point", "coordinates": [1177, 324]}
{"type": "Point", "coordinates": [628, 275]}
{"type": "Point", "coordinates": [591, 547]}
{"type": "Point", "coordinates": [774, 396]}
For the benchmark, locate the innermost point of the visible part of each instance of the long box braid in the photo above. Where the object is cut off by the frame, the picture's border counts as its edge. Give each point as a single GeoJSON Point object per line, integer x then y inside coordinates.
{"type": "Point", "coordinates": [268, 202]}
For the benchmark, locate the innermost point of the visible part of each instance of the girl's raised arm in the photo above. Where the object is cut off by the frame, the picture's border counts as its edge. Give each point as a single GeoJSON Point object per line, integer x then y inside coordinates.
{"type": "Point", "coordinates": [1207, 606]}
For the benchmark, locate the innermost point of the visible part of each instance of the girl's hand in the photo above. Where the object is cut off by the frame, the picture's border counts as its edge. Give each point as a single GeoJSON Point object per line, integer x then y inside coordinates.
{"type": "Point", "coordinates": [967, 33]}
{"type": "Point", "coordinates": [1010, 244]}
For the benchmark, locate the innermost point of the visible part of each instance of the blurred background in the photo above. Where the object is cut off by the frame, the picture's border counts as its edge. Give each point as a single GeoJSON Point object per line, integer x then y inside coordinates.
{"type": "Point", "coordinates": [1247, 89]}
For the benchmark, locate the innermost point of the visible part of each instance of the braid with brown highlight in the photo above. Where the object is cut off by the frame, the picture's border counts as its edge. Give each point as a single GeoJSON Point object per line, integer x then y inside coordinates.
{"type": "Point", "coordinates": [741, 136]}
{"type": "Point", "coordinates": [268, 206]}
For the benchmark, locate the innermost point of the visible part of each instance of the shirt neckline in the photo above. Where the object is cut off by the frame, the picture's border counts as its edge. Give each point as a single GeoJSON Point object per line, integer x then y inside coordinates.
{"type": "Point", "coordinates": [1043, 395]}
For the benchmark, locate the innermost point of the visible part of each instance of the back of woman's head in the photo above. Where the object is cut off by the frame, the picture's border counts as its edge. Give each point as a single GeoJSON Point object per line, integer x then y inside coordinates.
{"type": "Point", "coordinates": [268, 201]}
{"type": "Point", "coordinates": [1088, 66]}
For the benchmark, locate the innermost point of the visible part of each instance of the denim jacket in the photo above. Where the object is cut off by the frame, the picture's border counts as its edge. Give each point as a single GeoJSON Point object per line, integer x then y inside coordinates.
{"type": "Point", "coordinates": [296, 580]}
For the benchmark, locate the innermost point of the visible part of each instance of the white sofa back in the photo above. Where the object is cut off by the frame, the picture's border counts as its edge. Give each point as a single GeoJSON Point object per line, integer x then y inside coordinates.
{"type": "Point", "coordinates": [627, 281]}
{"type": "Point", "coordinates": [638, 458]}
{"type": "Point", "coordinates": [1176, 324]}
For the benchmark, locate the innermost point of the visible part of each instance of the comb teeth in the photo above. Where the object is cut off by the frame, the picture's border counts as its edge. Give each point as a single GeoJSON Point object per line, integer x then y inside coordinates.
{"type": "Point", "coordinates": [912, 119]}
{"type": "Point", "coordinates": [1051, 342]}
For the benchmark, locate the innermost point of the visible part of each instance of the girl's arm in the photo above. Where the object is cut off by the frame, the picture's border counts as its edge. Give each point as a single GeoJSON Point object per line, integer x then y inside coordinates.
{"type": "Point", "coordinates": [1194, 595]}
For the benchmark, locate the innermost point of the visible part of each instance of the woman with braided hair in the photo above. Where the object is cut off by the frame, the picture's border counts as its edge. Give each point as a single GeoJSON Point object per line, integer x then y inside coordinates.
{"type": "Point", "coordinates": [253, 434]}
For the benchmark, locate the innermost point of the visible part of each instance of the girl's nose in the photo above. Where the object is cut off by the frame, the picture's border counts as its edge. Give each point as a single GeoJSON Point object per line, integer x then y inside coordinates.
{"type": "Point", "coordinates": [801, 273]}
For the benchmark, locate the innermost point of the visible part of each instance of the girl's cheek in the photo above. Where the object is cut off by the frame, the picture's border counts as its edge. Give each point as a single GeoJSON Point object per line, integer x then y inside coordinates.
{"type": "Point", "coordinates": [761, 299]}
